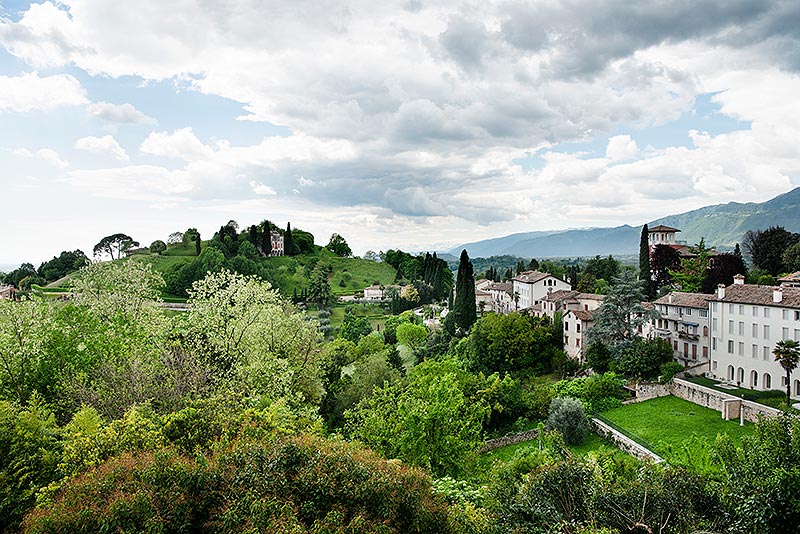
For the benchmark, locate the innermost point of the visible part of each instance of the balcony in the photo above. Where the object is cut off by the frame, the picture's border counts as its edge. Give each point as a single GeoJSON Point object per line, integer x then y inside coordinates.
{"type": "Point", "coordinates": [687, 336]}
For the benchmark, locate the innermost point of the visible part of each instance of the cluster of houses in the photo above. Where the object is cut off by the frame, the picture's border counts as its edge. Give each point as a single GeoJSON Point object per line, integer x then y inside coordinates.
{"type": "Point", "coordinates": [7, 292]}
{"type": "Point", "coordinates": [728, 336]}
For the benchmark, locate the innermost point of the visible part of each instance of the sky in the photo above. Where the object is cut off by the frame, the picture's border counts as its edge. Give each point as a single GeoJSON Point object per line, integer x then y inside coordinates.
{"type": "Point", "coordinates": [411, 124]}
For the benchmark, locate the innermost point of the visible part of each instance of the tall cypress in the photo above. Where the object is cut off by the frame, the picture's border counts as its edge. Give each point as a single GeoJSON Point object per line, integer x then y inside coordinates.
{"type": "Point", "coordinates": [197, 243]}
{"type": "Point", "coordinates": [288, 242]}
{"type": "Point", "coordinates": [464, 306]}
{"type": "Point", "coordinates": [645, 275]}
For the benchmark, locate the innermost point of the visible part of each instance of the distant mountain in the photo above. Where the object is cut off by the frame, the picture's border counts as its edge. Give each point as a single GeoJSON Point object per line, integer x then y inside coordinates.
{"type": "Point", "coordinates": [721, 225]}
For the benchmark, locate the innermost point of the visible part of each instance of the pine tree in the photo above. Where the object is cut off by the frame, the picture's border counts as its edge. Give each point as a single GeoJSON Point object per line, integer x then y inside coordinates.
{"type": "Point", "coordinates": [645, 275]}
{"type": "Point", "coordinates": [288, 242]}
{"type": "Point", "coordinates": [464, 310]}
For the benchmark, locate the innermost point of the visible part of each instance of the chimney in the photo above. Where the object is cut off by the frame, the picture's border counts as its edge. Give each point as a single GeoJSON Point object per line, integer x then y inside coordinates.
{"type": "Point", "coordinates": [669, 298]}
{"type": "Point", "coordinates": [721, 291]}
{"type": "Point", "coordinates": [777, 295]}
{"type": "Point", "coordinates": [738, 280]}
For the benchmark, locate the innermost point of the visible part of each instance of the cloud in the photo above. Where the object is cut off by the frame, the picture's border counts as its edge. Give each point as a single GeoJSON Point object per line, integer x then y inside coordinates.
{"type": "Point", "coordinates": [52, 157]}
{"type": "Point", "coordinates": [261, 189]}
{"type": "Point", "coordinates": [123, 114]}
{"type": "Point", "coordinates": [182, 144]}
{"type": "Point", "coordinates": [102, 145]}
{"type": "Point", "coordinates": [621, 147]}
{"type": "Point", "coordinates": [136, 182]}
{"type": "Point", "coordinates": [31, 92]}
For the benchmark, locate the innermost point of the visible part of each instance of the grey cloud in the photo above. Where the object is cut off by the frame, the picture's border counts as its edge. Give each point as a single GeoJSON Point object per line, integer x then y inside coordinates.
{"type": "Point", "coordinates": [466, 41]}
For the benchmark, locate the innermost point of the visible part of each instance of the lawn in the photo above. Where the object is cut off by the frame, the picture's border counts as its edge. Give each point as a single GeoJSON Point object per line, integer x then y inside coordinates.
{"type": "Point", "coordinates": [666, 423]}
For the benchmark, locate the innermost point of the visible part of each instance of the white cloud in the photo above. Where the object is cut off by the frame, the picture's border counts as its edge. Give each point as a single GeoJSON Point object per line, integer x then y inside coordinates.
{"type": "Point", "coordinates": [621, 147]}
{"type": "Point", "coordinates": [124, 114]}
{"type": "Point", "coordinates": [31, 92]}
{"type": "Point", "coordinates": [182, 144]}
{"type": "Point", "coordinates": [102, 145]}
{"type": "Point", "coordinates": [51, 156]}
{"type": "Point", "coordinates": [135, 182]}
{"type": "Point", "coordinates": [261, 189]}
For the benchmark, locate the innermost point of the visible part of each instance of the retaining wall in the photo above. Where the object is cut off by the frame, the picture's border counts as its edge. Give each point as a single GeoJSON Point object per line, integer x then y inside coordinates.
{"type": "Point", "coordinates": [716, 400]}
{"type": "Point", "coordinates": [624, 442]}
{"type": "Point", "coordinates": [509, 439]}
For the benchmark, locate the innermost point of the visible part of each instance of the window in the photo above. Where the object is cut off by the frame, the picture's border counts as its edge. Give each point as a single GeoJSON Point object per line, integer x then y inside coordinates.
{"type": "Point", "coordinates": [714, 325]}
{"type": "Point", "coordinates": [741, 328]}
{"type": "Point", "coordinates": [730, 346]}
{"type": "Point", "coordinates": [675, 345]}
{"type": "Point", "coordinates": [578, 342]}
{"type": "Point", "coordinates": [741, 349]}
{"type": "Point", "coordinates": [767, 354]}
{"type": "Point", "coordinates": [705, 331]}
{"type": "Point", "coordinates": [703, 313]}
{"type": "Point", "coordinates": [741, 309]}
{"type": "Point", "coordinates": [714, 309]}
{"type": "Point", "coordinates": [730, 372]}
{"type": "Point", "coordinates": [566, 327]}
{"type": "Point", "coordinates": [753, 379]}
{"type": "Point", "coordinates": [766, 312]}
{"type": "Point", "coordinates": [578, 328]}
{"type": "Point", "coordinates": [688, 311]}
{"type": "Point", "coordinates": [785, 315]}
{"type": "Point", "coordinates": [767, 381]}
{"type": "Point", "coordinates": [796, 334]}
{"type": "Point", "coordinates": [730, 308]}
{"type": "Point", "coordinates": [797, 315]}
{"type": "Point", "coordinates": [705, 355]}
{"type": "Point", "coordinates": [740, 375]}
{"type": "Point", "coordinates": [713, 343]}
{"type": "Point", "coordinates": [755, 351]}
{"type": "Point", "coordinates": [566, 341]}
{"type": "Point", "coordinates": [730, 327]}
{"type": "Point", "coordinates": [755, 311]}
{"type": "Point", "coordinates": [784, 333]}
{"type": "Point", "coordinates": [766, 331]}
{"type": "Point", "coordinates": [755, 330]}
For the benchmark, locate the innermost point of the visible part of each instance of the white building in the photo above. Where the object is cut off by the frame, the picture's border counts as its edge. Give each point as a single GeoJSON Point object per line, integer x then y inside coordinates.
{"type": "Point", "coordinates": [7, 292]}
{"type": "Point", "coordinates": [502, 294]}
{"type": "Point", "coordinates": [576, 324]}
{"type": "Point", "coordinates": [684, 324]}
{"type": "Point", "coordinates": [561, 301]}
{"type": "Point", "coordinates": [746, 322]}
{"type": "Point", "coordinates": [276, 240]}
{"type": "Point", "coordinates": [530, 287]}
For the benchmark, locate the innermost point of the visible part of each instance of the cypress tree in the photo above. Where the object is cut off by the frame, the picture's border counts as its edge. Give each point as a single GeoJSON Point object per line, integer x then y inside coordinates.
{"type": "Point", "coordinates": [464, 307]}
{"type": "Point", "coordinates": [645, 275]}
{"type": "Point", "coordinates": [197, 243]}
{"type": "Point", "coordinates": [288, 243]}
{"type": "Point", "coordinates": [252, 234]}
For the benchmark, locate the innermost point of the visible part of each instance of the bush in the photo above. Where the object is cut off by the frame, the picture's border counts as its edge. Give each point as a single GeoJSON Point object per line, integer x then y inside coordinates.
{"type": "Point", "coordinates": [568, 416]}
{"type": "Point", "coordinates": [669, 370]}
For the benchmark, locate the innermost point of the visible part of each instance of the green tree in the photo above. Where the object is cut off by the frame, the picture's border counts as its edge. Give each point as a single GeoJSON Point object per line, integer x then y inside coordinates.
{"type": "Point", "coordinates": [791, 258]}
{"type": "Point", "coordinates": [354, 328]}
{"type": "Point", "coordinates": [266, 238]}
{"type": "Point", "coordinates": [664, 260]}
{"type": "Point", "coordinates": [23, 344]}
{"type": "Point", "coordinates": [787, 354]}
{"type": "Point", "coordinates": [598, 357]}
{"type": "Point", "coordinates": [605, 268]}
{"type": "Point", "coordinates": [412, 335]}
{"type": "Point", "coordinates": [621, 315]}
{"type": "Point", "coordinates": [339, 246]}
{"type": "Point", "coordinates": [66, 263]}
{"type": "Point", "coordinates": [289, 248]}
{"type": "Point", "coordinates": [158, 246]}
{"type": "Point", "coordinates": [693, 270]}
{"type": "Point", "coordinates": [767, 248]}
{"type": "Point", "coordinates": [114, 244]}
{"type": "Point", "coordinates": [319, 289]}
{"type": "Point", "coordinates": [645, 275]}
{"type": "Point", "coordinates": [197, 244]}
{"type": "Point", "coordinates": [568, 417]}
{"type": "Point", "coordinates": [464, 312]}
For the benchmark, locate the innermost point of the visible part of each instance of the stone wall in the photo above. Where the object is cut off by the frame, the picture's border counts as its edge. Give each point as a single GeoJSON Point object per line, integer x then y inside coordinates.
{"type": "Point", "coordinates": [624, 442]}
{"type": "Point", "coordinates": [509, 439]}
{"type": "Point", "coordinates": [649, 390]}
{"type": "Point", "coordinates": [711, 398]}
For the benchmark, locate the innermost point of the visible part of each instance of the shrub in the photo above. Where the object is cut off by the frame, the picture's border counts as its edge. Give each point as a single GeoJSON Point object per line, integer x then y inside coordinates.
{"type": "Point", "coordinates": [568, 416]}
{"type": "Point", "coordinates": [669, 370]}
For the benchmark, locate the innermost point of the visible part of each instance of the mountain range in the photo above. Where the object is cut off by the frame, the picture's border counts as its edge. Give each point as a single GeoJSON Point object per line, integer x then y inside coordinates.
{"type": "Point", "coordinates": [722, 225]}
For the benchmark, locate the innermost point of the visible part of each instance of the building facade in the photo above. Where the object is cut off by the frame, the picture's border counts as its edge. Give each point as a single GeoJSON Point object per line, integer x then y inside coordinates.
{"type": "Point", "coordinates": [683, 322]}
{"type": "Point", "coordinates": [530, 287]}
{"type": "Point", "coordinates": [746, 322]}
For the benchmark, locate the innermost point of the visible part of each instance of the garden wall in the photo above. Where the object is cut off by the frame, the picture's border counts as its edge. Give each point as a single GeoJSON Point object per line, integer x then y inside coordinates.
{"type": "Point", "coordinates": [509, 439]}
{"type": "Point", "coordinates": [624, 442]}
{"type": "Point", "coordinates": [711, 398]}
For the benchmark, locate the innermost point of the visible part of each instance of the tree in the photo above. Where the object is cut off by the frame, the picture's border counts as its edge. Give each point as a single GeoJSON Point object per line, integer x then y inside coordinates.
{"type": "Point", "coordinates": [411, 335]}
{"type": "Point", "coordinates": [723, 268]}
{"type": "Point", "coordinates": [568, 417]}
{"type": "Point", "coordinates": [645, 275]}
{"type": "Point", "coordinates": [663, 260]}
{"type": "Point", "coordinates": [464, 311]}
{"type": "Point", "coordinates": [767, 248]}
{"type": "Point", "coordinates": [115, 243]}
{"type": "Point", "coordinates": [339, 246]}
{"type": "Point", "coordinates": [354, 328]}
{"type": "Point", "coordinates": [621, 315]}
{"type": "Point", "coordinates": [266, 238]}
{"type": "Point", "coordinates": [175, 238]}
{"type": "Point", "coordinates": [693, 270]}
{"type": "Point", "coordinates": [67, 262]}
{"type": "Point", "coordinates": [598, 357]}
{"type": "Point", "coordinates": [787, 353]}
{"type": "Point", "coordinates": [158, 246]}
{"type": "Point", "coordinates": [289, 248]}
{"type": "Point", "coordinates": [605, 268]}
{"type": "Point", "coordinates": [791, 258]}
{"type": "Point", "coordinates": [587, 283]}
{"type": "Point", "coordinates": [197, 244]}
{"type": "Point", "coordinates": [319, 289]}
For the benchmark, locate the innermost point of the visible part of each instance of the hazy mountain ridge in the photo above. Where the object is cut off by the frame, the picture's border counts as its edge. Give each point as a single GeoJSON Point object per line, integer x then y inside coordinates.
{"type": "Point", "coordinates": [721, 225]}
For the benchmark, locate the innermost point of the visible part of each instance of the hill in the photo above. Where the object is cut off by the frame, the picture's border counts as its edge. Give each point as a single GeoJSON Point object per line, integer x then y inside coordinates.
{"type": "Point", "coordinates": [721, 225]}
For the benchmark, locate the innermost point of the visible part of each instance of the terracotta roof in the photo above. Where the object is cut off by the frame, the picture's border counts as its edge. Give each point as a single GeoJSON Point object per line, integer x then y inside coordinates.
{"type": "Point", "coordinates": [794, 277]}
{"type": "Point", "coordinates": [648, 306]}
{"type": "Point", "coordinates": [582, 315]}
{"type": "Point", "coordinates": [691, 300]}
{"type": "Point", "coordinates": [531, 277]}
{"type": "Point", "coordinates": [662, 228]}
{"type": "Point", "coordinates": [560, 294]}
{"type": "Point", "coordinates": [590, 296]}
{"type": "Point", "coordinates": [482, 293]}
{"type": "Point", "coordinates": [762, 295]}
{"type": "Point", "coordinates": [508, 287]}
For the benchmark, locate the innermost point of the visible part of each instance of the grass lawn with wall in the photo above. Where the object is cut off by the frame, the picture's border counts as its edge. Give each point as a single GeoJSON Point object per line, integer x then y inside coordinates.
{"type": "Point", "coordinates": [774, 398]}
{"type": "Point", "coordinates": [666, 423]}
